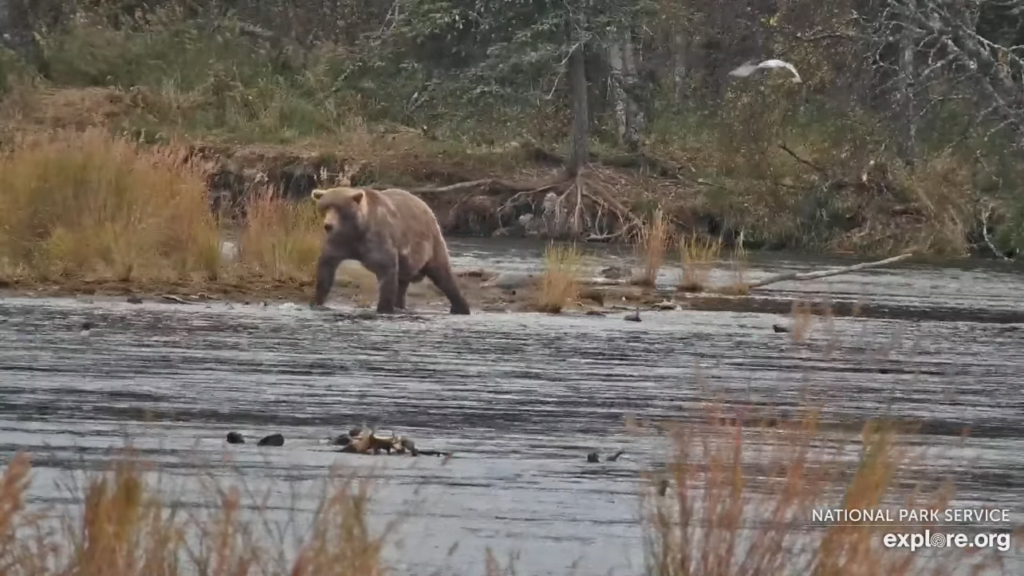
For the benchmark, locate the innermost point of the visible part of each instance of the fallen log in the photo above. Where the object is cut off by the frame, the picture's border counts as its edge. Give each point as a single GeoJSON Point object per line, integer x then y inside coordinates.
{"type": "Point", "coordinates": [798, 276]}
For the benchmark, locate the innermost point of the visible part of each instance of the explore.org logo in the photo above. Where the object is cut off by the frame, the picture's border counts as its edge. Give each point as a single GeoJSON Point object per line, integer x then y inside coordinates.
{"type": "Point", "coordinates": [999, 541]}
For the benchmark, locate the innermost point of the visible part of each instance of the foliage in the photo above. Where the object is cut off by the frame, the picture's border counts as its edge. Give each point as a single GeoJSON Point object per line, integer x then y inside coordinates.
{"type": "Point", "coordinates": [480, 75]}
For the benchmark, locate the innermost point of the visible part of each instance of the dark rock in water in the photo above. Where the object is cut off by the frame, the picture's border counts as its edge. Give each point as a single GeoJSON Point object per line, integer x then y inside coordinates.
{"type": "Point", "coordinates": [634, 317]}
{"type": "Point", "coordinates": [615, 456]}
{"type": "Point", "coordinates": [593, 457]}
{"type": "Point", "coordinates": [235, 438]}
{"type": "Point", "coordinates": [272, 440]}
{"type": "Point", "coordinates": [614, 272]}
{"type": "Point", "coordinates": [86, 326]}
{"type": "Point", "coordinates": [134, 300]}
{"type": "Point", "coordinates": [594, 313]}
{"type": "Point", "coordinates": [341, 440]}
{"type": "Point", "coordinates": [779, 329]}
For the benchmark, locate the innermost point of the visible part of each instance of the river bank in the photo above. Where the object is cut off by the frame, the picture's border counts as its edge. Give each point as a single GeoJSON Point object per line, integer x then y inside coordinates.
{"type": "Point", "coordinates": [502, 276]}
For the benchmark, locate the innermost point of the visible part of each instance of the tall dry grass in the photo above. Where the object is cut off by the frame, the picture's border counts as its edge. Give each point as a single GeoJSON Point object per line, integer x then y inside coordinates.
{"type": "Point", "coordinates": [559, 284]}
{"type": "Point", "coordinates": [123, 526]}
{"type": "Point", "coordinates": [91, 206]}
{"type": "Point", "coordinates": [650, 248]}
{"type": "Point", "coordinates": [698, 254]}
{"type": "Point", "coordinates": [279, 240]}
{"type": "Point", "coordinates": [738, 501]}
{"type": "Point", "coordinates": [87, 204]}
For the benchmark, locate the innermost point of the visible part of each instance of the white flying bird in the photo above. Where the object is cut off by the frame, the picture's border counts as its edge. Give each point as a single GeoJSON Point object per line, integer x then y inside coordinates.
{"type": "Point", "coordinates": [749, 67]}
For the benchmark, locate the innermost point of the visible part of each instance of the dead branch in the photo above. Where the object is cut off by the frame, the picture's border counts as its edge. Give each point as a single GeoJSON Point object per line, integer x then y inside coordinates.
{"type": "Point", "coordinates": [988, 239]}
{"type": "Point", "coordinates": [799, 276]}
{"type": "Point", "coordinates": [802, 160]}
{"type": "Point", "coordinates": [486, 185]}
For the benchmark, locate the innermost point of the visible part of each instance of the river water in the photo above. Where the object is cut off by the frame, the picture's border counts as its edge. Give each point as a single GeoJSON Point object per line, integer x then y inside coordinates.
{"type": "Point", "coordinates": [520, 398]}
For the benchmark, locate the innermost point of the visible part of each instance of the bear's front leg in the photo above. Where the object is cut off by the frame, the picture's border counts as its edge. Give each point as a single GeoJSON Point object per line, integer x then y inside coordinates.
{"type": "Point", "coordinates": [403, 289]}
{"type": "Point", "coordinates": [387, 291]}
{"type": "Point", "coordinates": [326, 269]}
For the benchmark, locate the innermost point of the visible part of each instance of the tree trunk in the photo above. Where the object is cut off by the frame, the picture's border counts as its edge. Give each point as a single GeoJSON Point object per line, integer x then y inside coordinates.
{"type": "Point", "coordinates": [618, 95]}
{"type": "Point", "coordinates": [579, 143]}
{"type": "Point", "coordinates": [634, 112]}
{"type": "Point", "coordinates": [908, 136]}
{"type": "Point", "coordinates": [679, 49]}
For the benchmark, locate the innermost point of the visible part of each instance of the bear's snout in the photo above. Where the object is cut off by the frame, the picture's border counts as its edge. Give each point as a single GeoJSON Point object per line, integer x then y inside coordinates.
{"type": "Point", "coordinates": [328, 227]}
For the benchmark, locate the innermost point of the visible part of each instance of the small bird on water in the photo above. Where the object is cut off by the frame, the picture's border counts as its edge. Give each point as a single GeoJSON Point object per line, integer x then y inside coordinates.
{"type": "Point", "coordinates": [750, 67]}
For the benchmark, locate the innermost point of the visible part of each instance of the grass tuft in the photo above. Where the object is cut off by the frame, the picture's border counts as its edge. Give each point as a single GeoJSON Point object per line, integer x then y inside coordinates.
{"type": "Point", "coordinates": [280, 240]}
{"type": "Point", "coordinates": [698, 254]}
{"type": "Point", "coordinates": [650, 248]}
{"type": "Point", "coordinates": [559, 285]}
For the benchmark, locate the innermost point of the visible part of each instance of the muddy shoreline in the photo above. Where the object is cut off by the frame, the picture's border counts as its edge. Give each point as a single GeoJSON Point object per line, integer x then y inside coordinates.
{"type": "Point", "coordinates": [593, 300]}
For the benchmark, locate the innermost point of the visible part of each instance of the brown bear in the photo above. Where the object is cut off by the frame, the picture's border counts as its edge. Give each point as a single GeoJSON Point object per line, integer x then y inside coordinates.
{"type": "Point", "coordinates": [393, 234]}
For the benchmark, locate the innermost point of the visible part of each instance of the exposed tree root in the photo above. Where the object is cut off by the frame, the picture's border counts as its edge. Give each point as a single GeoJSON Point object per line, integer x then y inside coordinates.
{"type": "Point", "coordinates": [579, 207]}
{"type": "Point", "coordinates": [985, 214]}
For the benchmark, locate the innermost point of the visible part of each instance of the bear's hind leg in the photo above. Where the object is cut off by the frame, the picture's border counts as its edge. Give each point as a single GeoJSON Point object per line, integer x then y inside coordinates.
{"type": "Point", "coordinates": [444, 279]}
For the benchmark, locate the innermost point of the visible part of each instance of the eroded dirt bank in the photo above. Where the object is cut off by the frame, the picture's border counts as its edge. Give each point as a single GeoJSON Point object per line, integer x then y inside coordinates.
{"type": "Point", "coordinates": [505, 190]}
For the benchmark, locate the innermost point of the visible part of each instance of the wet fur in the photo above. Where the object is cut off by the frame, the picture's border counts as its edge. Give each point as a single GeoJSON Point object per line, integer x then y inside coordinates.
{"type": "Point", "coordinates": [393, 234]}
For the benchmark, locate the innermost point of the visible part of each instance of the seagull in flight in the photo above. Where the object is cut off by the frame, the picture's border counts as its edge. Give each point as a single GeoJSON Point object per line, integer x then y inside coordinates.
{"type": "Point", "coordinates": [750, 67]}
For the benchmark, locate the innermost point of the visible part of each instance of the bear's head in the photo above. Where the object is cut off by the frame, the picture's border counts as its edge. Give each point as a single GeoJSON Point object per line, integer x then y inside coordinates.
{"type": "Point", "coordinates": [343, 209]}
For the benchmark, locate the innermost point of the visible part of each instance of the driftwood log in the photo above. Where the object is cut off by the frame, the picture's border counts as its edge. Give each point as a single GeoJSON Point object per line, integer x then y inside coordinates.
{"type": "Point", "coordinates": [797, 276]}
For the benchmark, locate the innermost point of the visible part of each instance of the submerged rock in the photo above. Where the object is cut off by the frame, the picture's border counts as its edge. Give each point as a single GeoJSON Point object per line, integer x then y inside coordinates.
{"type": "Point", "coordinates": [633, 317]}
{"type": "Point", "coordinates": [235, 438]}
{"type": "Point", "coordinates": [615, 272]}
{"type": "Point", "coordinates": [272, 440]}
{"type": "Point", "coordinates": [595, 457]}
{"type": "Point", "coordinates": [779, 329]}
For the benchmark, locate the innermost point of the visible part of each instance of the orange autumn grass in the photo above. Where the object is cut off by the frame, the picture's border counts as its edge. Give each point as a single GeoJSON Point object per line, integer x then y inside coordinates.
{"type": "Point", "coordinates": [88, 205]}
{"type": "Point", "coordinates": [124, 527]}
{"type": "Point", "coordinates": [652, 242]}
{"type": "Point", "coordinates": [737, 501]}
{"type": "Point", "coordinates": [559, 285]}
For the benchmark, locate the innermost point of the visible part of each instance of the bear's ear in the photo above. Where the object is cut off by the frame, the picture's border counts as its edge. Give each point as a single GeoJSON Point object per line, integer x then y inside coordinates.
{"type": "Point", "coordinates": [317, 194]}
{"type": "Point", "coordinates": [358, 196]}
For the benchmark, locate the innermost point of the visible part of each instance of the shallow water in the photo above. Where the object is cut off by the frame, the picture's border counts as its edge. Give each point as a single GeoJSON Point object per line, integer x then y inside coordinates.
{"type": "Point", "coordinates": [520, 398]}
